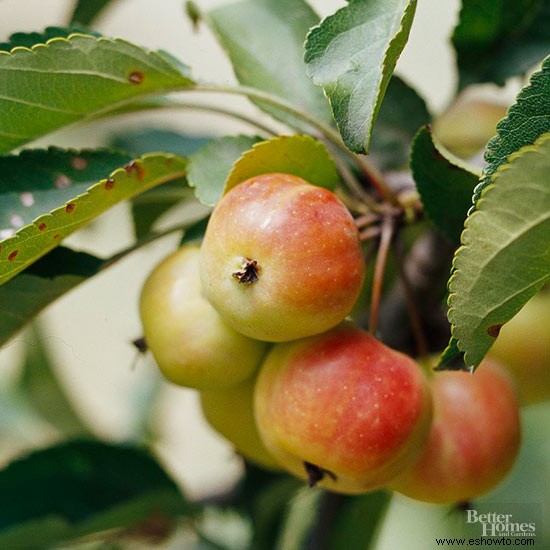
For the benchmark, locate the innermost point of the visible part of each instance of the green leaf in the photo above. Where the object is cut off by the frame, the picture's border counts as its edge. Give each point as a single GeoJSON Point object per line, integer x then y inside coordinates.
{"type": "Point", "coordinates": [497, 39]}
{"type": "Point", "coordinates": [299, 155]}
{"type": "Point", "coordinates": [525, 121]}
{"type": "Point", "coordinates": [358, 521]}
{"type": "Point", "coordinates": [29, 39]}
{"type": "Point", "coordinates": [444, 182]}
{"type": "Point", "coordinates": [40, 386]}
{"type": "Point", "coordinates": [85, 11]}
{"type": "Point", "coordinates": [148, 207]}
{"type": "Point", "coordinates": [210, 165]}
{"type": "Point", "coordinates": [26, 295]}
{"type": "Point", "coordinates": [41, 89]}
{"type": "Point", "coordinates": [46, 232]}
{"type": "Point", "coordinates": [264, 40]}
{"type": "Point", "coordinates": [401, 114]}
{"type": "Point", "coordinates": [36, 181]}
{"type": "Point", "coordinates": [352, 54]}
{"type": "Point", "coordinates": [505, 257]}
{"type": "Point", "coordinates": [81, 487]}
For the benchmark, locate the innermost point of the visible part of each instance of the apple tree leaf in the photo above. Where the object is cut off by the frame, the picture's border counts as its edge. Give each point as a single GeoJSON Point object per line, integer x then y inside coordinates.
{"type": "Point", "coordinates": [210, 165]}
{"type": "Point", "coordinates": [505, 257]}
{"type": "Point", "coordinates": [69, 79]}
{"type": "Point", "coordinates": [525, 121]}
{"type": "Point", "coordinates": [401, 115]}
{"type": "Point", "coordinates": [82, 487]}
{"type": "Point", "coordinates": [299, 155]}
{"type": "Point", "coordinates": [352, 54]}
{"type": "Point", "coordinates": [29, 39]}
{"type": "Point", "coordinates": [444, 182]}
{"type": "Point", "coordinates": [38, 180]}
{"type": "Point", "coordinates": [46, 232]}
{"type": "Point", "coordinates": [26, 295]}
{"type": "Point", "coordinates": [264, 40]}
{"type": "Point", "coordinates": [86, 11]}
{"type": "Point", "coordinates": [497, 39]}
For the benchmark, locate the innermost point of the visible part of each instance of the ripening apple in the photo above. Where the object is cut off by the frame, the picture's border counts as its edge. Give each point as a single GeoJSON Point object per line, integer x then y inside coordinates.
{"type": "Point", "coordinates": [230, 412]}
{"type": "Point", "coordinates": [191, 343]}
{"type": "Point", "coordinates": [523, 347]}
{"type": "Point", "coordinates": [281, 258]}
{"type": "Point", "coordinates": [474, 439]}
{"type": "Point", "coordinates": [342, 410]}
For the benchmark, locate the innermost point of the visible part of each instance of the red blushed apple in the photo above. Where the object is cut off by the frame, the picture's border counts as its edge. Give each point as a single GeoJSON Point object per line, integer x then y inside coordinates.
{"type": "Point", "coordinates": [191, 343]}
{"type": "Point", "coordinates": [474, 439]}
{"type": "Point", "coordinates": [342, 410]}
{"type": "Point", "coordinates": [281, 258]}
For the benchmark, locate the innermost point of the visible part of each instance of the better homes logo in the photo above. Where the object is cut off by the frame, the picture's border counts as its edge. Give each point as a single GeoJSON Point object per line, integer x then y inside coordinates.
{"type": "Point", "coordinates": [494, 524]}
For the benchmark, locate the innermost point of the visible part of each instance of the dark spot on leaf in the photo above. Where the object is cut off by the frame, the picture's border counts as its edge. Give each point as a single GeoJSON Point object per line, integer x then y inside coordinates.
{"type": "Point", "coordinates": [13, 255]}
{"type": "Point", "coordinates": [136, 77]}
{"type": "Point", "coordinates": [437, 154]}
{"type": "Point", "coordinates": [42, 226]}
{"type": "Point", "coordinates": [79, 163]}
{"type": "Point", "coordinates": [494, 330]}
{"type": "Point", "coordinates": [109, 183]}
{"type": "Point", "coordinates": [316, 474]}
{"type": "Point", "coordinates": [57, 235]}
{"type": "Point", "coordinates": [62, 181]}
{"type": "Point", "coordinates": [70, 207]}
{"type": "Point", "coordinates": [249, 272]}
{"type": "Point", "coordinates": [136, 167]}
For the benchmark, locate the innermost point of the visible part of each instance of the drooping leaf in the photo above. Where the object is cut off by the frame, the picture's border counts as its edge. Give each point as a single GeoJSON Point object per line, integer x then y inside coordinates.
{"type": "Point", "coordinates": [505, 257]}
{"type": "Point", "coordinates": [444, 182]}
{"type": "Point", "coordinates": [29, 39]}
{"type": "Point", "coordinates": [352, 54]}
{"type": "Point", "coordinates": [38, 180]}
{"type": "Point", "coordinates": [26, 295]}
{"type": "Point", "coordinates": [497, 39]}
{"type": "Point", "coordinates": [525, 121]}
{"type": "Point", "coordinates": [210, 165]}
{"type": "Point", "coordinates": [85, 11]}
{"type": "Point", "coordinates": [42, 389]}
{"type": "Point", "coordinates": [349, 527]}
{"type": "Point", "coordinates": [69, 79]}
{"type": "Point", "coordinates": [264, 40]}
{"type": "Point", "coordinates": [46, 232]}
{"type": "Point", "coordinates": [82, 487]}
{"type": "Point", "coordinates": [401, 114]}
{"type": "Point", "coordinates": [299, 155]}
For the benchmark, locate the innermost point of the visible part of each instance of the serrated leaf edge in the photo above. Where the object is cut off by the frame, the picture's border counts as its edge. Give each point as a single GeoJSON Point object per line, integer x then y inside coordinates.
{"type": "Point", "coordinates": [455, 271]}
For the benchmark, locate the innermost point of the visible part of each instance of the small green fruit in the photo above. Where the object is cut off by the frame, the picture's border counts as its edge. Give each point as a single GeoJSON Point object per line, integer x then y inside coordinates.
{"type": "Point", "coordinates": [191, 343]}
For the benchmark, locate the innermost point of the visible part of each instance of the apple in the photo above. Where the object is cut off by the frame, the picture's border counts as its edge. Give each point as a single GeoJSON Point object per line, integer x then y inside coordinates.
{"type": "Point", "coordinates": [191, 343]}
{"type": "Point", "coordinates": [523, 347]}
{"type": "Point", "coordinates": [342, 410]}
{"type": "Point", "coordinates": [474, 439]}
{"type": "Point", "coordinates": [231, 413]}
{"type": "Point", "coordinates": [281, 258]}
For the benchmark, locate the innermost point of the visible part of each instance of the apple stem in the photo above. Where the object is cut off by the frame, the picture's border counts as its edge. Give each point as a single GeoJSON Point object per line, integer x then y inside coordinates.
{"type": "Point", "coordinates": [412, 307]}
{"type": "Point", "coordinates": [249, 272]}
{"type": "Point", "coordinates": [316, 473]}
{"type": "Point", "coordinates": [386, 236]}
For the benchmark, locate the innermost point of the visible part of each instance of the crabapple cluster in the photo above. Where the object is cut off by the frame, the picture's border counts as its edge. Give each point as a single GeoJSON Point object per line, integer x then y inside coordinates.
{"type": "Point", "coordinates": [256, 319]}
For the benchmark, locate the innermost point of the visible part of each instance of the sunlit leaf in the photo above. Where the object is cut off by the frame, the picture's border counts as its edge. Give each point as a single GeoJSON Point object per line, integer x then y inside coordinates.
{"type": "Point", "coordinates": [352, 54]}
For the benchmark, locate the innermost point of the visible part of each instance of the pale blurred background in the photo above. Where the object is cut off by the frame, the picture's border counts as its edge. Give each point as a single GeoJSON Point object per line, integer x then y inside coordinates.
{"type": "Point", "coordinates": [88, 332]}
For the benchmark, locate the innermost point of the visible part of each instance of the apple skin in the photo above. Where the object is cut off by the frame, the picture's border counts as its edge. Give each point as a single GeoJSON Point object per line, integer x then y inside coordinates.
{"type": "Point", "coordinates": [474, 439]}
{"type": "Point", "coordinates": [523, 347]}
{"type": "Point", "coordinates": [190, 342]}
{"type": "Point", "coordinates": [343, 405]}
{"type": "Point", "coordinates": [309, 262]}
{"type": "Point", "coordinates": [231, 413]}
